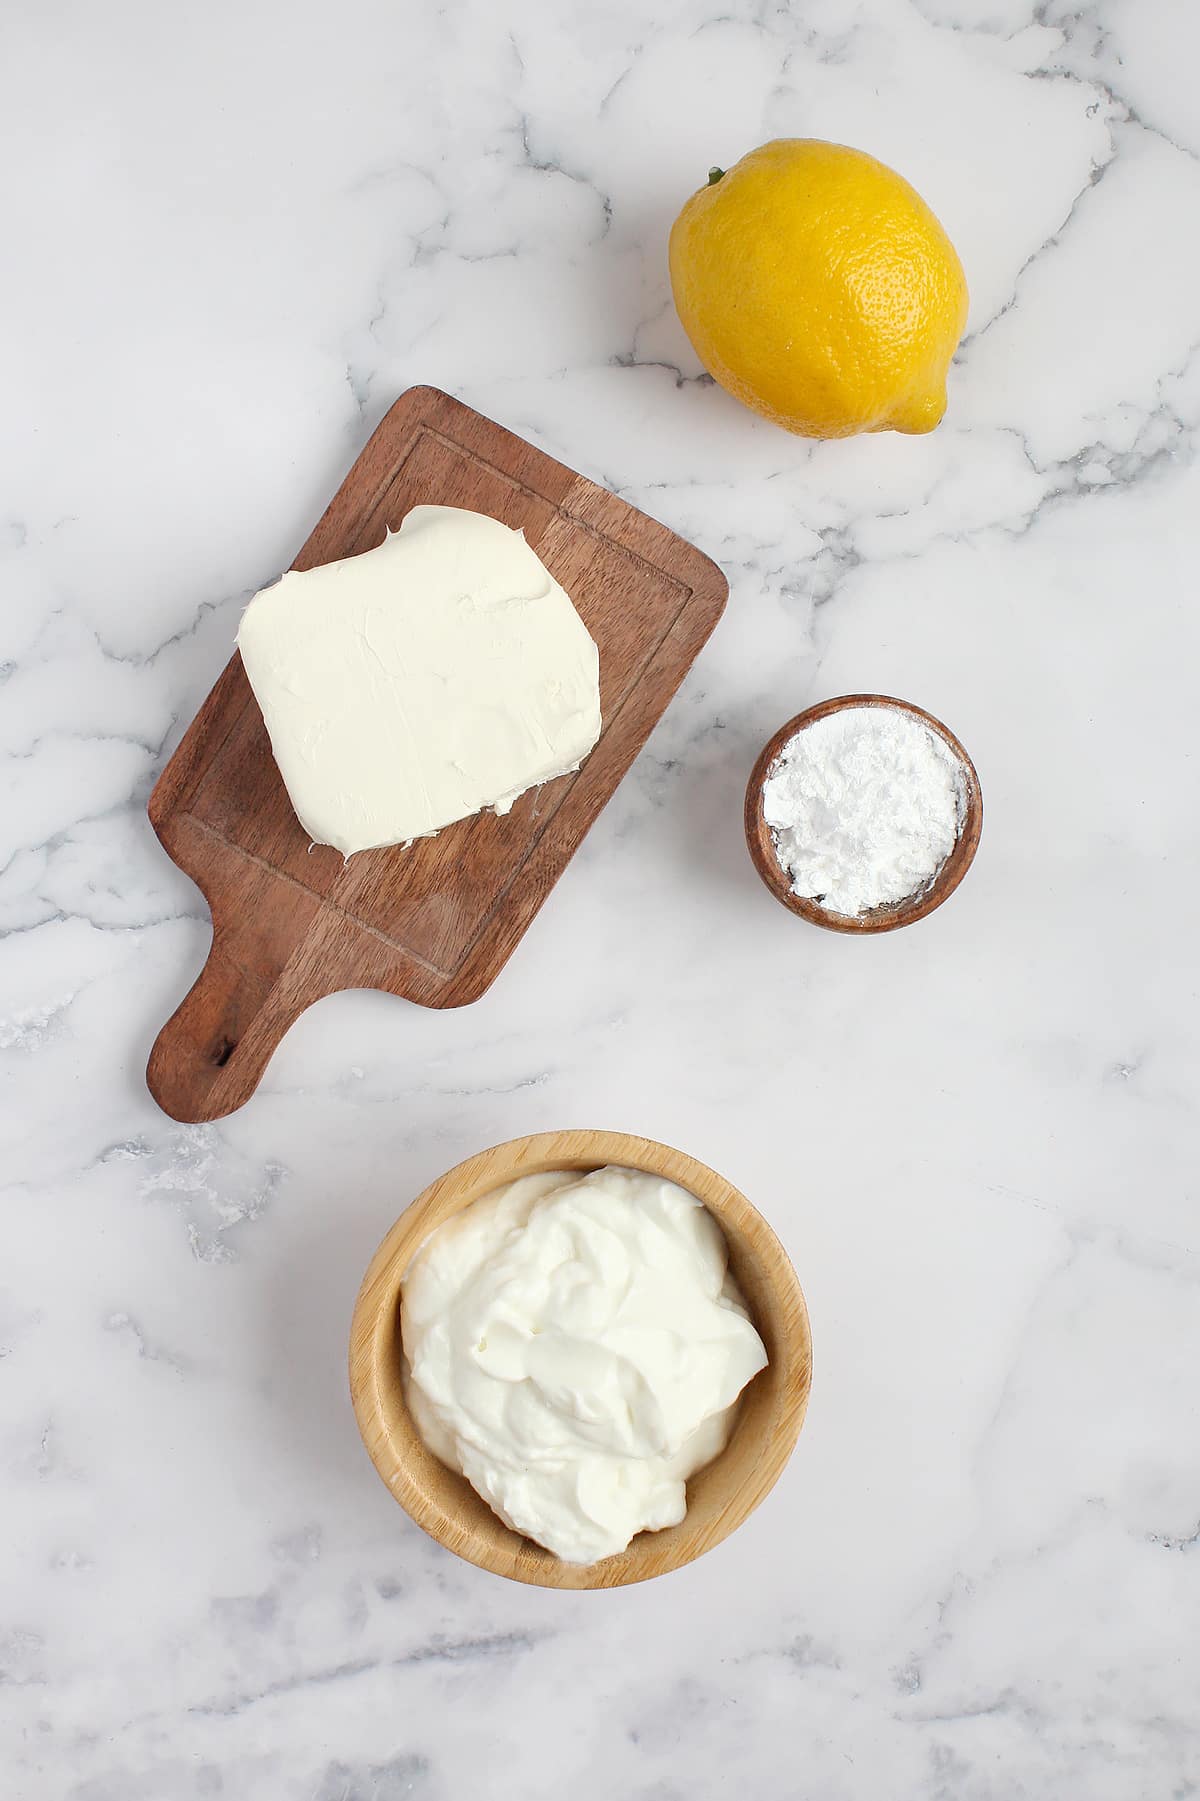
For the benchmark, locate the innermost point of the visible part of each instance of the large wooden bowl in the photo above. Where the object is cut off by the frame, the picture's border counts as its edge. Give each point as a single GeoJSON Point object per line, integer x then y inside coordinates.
{"type": "Point", "coordinates": [761, 844]}
{"type": "Point", "coordinates": [719, 1497]}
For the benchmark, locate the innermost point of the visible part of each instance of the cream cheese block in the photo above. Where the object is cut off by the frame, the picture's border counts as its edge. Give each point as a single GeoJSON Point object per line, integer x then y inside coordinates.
{"type": "Point", "coordinates": [416, 684]}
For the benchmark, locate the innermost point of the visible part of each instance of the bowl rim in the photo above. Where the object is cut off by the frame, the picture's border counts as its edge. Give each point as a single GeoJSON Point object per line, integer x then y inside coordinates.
{"type": "Point", "coordinates": [402, 1466]}
{"type": "Point", "coordinates": [761, 845]}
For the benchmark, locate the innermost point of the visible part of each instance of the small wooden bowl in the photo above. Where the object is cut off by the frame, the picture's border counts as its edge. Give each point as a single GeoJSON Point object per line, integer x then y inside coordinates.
{"type": "Point", "coordinates": [879, 919]}
{"type": "Point", "coordinates": [719, 1497]}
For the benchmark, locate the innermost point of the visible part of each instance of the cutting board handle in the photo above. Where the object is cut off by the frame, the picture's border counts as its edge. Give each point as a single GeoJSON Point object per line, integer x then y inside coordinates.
{"type": "Point", "coordinates": [209, 1057]}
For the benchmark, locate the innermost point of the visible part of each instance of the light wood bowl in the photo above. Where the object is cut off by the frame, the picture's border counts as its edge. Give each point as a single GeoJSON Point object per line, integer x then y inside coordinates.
{"type": "Point", "coordinates": [719, 1497]}
{"type": "Point", "coordinates": [879, 919]}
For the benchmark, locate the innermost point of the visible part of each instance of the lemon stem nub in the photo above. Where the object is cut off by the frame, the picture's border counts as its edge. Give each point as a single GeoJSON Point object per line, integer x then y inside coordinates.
{"type": "Point", "coordinates": [714, 176]}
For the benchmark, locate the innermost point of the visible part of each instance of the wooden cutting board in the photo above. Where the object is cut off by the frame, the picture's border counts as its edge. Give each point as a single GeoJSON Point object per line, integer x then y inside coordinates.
{"type": "Point", "coordinates": [437, 922]}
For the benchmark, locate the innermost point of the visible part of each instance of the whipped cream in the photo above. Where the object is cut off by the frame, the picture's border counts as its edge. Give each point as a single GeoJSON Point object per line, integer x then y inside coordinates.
{"type": "Point", "coordinates": [444, 672]}
{"type": "Point", "coordinates": [575, 1346]}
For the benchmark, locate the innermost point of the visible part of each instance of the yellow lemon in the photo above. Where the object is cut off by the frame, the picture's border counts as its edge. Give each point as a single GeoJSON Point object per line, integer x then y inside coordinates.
{"type": "Point", "coordinates": [817, 286]}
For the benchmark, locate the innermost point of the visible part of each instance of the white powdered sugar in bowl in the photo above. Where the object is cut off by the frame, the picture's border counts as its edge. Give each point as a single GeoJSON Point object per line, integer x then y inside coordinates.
{"type": "Point", "coordinates": [865, 805]}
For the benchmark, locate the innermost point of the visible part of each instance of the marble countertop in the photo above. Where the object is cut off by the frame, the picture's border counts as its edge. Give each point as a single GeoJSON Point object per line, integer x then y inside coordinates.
{"type": "Point", "coordinates": [232, 236]}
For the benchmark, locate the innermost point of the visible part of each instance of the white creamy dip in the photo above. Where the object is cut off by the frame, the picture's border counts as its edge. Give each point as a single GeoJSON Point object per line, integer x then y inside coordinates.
{"type": "Point", "coordinates": [441, 673]}
{"type": "Point", "coordinates": [576, 1346]}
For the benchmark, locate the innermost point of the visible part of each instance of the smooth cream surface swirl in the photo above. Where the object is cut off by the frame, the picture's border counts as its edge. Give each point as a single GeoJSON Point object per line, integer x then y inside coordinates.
{"type": "Point", "coordinates": [576, 1347]}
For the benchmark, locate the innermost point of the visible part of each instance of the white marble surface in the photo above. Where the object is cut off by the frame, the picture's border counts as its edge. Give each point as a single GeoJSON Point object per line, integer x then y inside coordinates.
{"type": "Point", "coordinates": [231, 235]}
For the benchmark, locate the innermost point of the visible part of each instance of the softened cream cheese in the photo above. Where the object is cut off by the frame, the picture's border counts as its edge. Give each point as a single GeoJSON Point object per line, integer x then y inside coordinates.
{"type": "Point", "coordinates": [444, 672]}
{"type": "Point", "coordinates": [575, 1346]}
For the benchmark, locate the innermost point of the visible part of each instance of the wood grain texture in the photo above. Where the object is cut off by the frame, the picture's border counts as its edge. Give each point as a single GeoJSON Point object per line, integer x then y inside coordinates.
{"type": "Point", "coordinates": [761, 844]}
{"type": "Point", "coordinates": [720, 1497]}
{"type": "Point", "coordinates": [437, 922]}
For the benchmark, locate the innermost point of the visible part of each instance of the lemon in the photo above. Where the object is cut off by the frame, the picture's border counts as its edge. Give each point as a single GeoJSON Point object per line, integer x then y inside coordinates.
{"type": "Point", "coordinates": [817, 286]}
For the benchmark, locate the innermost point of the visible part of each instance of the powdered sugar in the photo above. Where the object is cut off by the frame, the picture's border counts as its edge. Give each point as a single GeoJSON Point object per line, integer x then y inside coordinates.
{"type": "Point", "coordinates": [865, 806]}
